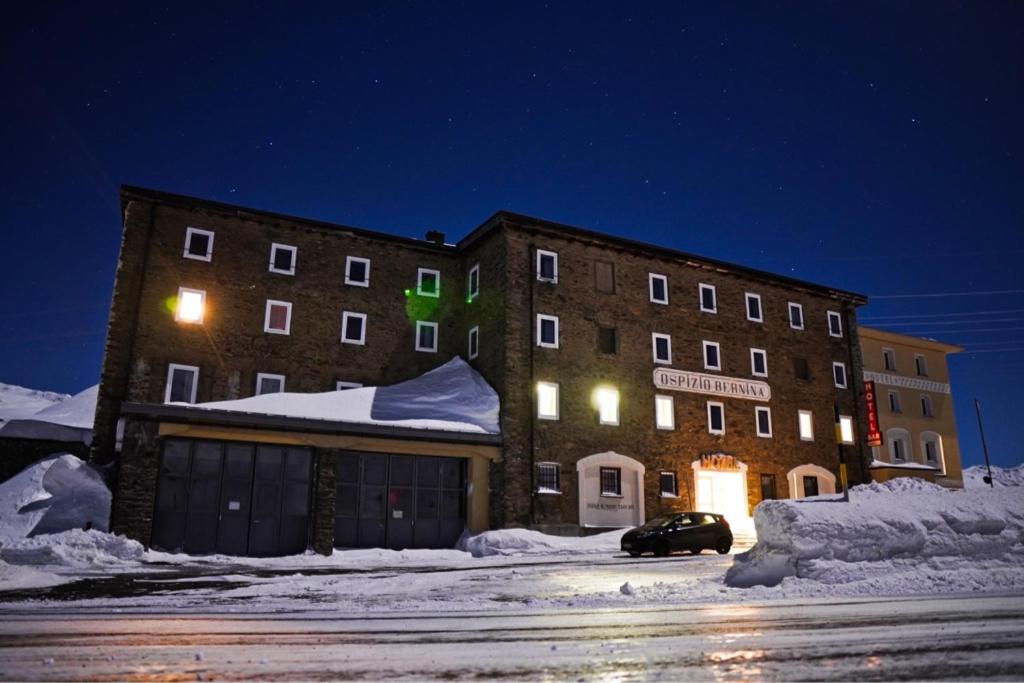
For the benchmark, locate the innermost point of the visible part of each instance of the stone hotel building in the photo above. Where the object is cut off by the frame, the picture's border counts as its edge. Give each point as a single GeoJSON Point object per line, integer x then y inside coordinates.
{"type": "Point", "coordinates": [633, 380]}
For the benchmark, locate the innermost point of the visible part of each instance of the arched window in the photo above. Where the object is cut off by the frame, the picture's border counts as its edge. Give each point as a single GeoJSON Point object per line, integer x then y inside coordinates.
{"type": "Point", "coordinates": [899, 445]}
{"type": "Point", "coordinates": [931, 449]}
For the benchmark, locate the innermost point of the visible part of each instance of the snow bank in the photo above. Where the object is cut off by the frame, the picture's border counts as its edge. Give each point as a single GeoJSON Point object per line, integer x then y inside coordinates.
{"type": "Point", "coordinates": [903, 532]}
{"type": "Point", "coordinates": [1001, 476]}
{"type": "Point", "coordinates": [18, 402]}
{"type": "Point", "coordinates": [528, 542]}
{"type": "Point", "coordinates": [55, 494]}
{"type": "Point", "coordinates": [19, 578]}
{"type": "Point", "coordinates": [75, 548]}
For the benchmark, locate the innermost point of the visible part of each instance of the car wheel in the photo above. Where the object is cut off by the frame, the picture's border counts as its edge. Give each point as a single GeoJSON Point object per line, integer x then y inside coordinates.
{"type": "Point", "coordinates": [661, 549]}
{"type": "Point", "coordinates": [724, 545]}
{"type": "Point", "coordinates": [634, 553]}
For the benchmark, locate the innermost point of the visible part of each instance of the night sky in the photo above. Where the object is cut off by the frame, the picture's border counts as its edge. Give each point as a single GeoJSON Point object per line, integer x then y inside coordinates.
{"type": "Point", "coordinates": [872, 147]}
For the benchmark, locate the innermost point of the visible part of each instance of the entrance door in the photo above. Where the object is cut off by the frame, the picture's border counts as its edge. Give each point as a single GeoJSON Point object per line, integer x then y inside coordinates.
{"type": "Point", "coordinates": [721, 492]}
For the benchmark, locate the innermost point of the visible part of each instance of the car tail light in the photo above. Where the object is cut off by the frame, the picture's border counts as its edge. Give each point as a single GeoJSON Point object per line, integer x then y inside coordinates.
{"type": "Point", "coordinates": [725, 522]}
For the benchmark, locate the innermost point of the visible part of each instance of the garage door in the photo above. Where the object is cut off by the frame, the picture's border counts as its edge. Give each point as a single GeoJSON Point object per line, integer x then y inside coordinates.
{"type": "Point", "coordinates": [232, 498]}
{"type": "Point", "coordinates": [399, 501]}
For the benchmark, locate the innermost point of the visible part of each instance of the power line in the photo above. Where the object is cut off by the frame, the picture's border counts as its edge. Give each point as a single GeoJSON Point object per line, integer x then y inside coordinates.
{"type": "Point", "coordinates": [939, 315]}
{"type": "Point", "coordinates": [1019, 348]}
{"type": "Point", "coordinates": [926, 296]}
{"type": "Point", "coordinates": [955, 322]}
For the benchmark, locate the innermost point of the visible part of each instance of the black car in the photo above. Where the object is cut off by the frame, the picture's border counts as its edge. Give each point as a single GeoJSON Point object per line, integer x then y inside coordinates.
{"type": "Point", "coordinates": [693, 531]}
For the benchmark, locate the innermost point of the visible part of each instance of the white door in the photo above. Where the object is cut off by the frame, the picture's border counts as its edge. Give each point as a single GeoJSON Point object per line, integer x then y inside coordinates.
{"type": "Point", "coordinates": [724, 493]}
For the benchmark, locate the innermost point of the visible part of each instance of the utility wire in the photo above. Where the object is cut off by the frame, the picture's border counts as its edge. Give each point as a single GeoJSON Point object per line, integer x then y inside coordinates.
{"type": "Point", "coordinates": [939, 315]}
{"type": "Point", "coordinates": [935, 295]}
{"type": "Point", "coordinates": [955, 322]}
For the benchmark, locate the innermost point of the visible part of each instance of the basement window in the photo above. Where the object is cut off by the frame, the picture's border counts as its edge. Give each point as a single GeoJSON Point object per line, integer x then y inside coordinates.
{"type": "Point", "coordinates": [181, 383]}
{"type": "Point", "coordinates": [267, 383]}
{"type": "Point", "coordinates": [611, 481]}
{"type": "Point", "coordinates": [278, 318]}
{"type": "Point", "coordinates": [198, 244]}
{"type": "Point", "coordinates": [357, 271]}
{"type": "Point", "coordinates": [282, 258]}
{"type": "Point", "coordinates": [426, 336]}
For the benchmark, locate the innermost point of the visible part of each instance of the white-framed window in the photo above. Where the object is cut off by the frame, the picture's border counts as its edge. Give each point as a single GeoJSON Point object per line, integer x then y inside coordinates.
{"type": "Point", "coordinates": [895, 402]}
{"type": "Point", "coordinates": [182, 381]}
{"type": "Point", "coordinates": [198, 244]}
{"type": "Point", "coordinates": [473, 342]}
{"type": "Point", "coordinates": [267, 383]}
{"type": "Point", "coordinates": [342, 385]}
{"type": "Point", "coordinates": [926, 406]}
{"type": "Point", "coordinates": [758, 362]}
{"type": "Point", "coordinates": [547, 331]}
{"type": "Point", "coordinates": [549, 477]}
{"type": "Point", "coordinates": [805, 423]}
{"type": "Point", "coordinates": [846, 429]}
{"type": "Point", "coordinates": [282, 258]}
{"type": "Point", "coordinates": [353, 328]}
{"type": "Point", "coordinates": [835, 324]}
{"type": "Point", "coordinates": [426, 336]}
{"type": "Point", "coordinates": [278, 318]}
{"type": "Point", "coordinates": [712, 355]}
{"type": "Point", "coordinates": [716, 417]}
{"type": "Point", "coordinates": [428, 282]}
{"type": "Point", "coordinates": [708, 298]}
{"type": "Point", "coordinates": [607, 405]}
{"type": "Point", "coordinates": [931, 448]}
{"type": "Point", "coordinates": [664, 412]}
{"type": "Point", "coordinates": [839, 374]}
{"type": "Point", "coordinates": [657, 288]}
{"type": "Point", "coordinates": [667, 485]}
{"type": "Point", "coordinates": [661, 348]}
{"type": "Point", "coordinates": [547, 266]}
{"type": "Point", "coordinates": [899, 444]}
{"type": "Point", "coordinates": [191, 306]}
{"type": "Point", "coordinates": [796, 315]}
{"type": "Point", "coordinates": [357, 271]}
{"type": "Point", "coordinates": [888, 359]}
{"type": "Point", "coordinates": [473, 282]}
{"type": "Point", "coordinates": [921, 365]}
{"type": "Point", "coordinates": [754, 311]}
{"type": "Point", "coordinates": [547, 400]}
{"type": "Point", "coordinates": [763, 421]}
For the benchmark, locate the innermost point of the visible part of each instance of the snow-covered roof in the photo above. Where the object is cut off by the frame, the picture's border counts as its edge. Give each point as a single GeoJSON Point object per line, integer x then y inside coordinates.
{"type": "Point", "coordinates": [69, 420]}
{"type": "Point", "coordinates": [878, 464]}
{"type": "Point", "coordinates": [451, 398]}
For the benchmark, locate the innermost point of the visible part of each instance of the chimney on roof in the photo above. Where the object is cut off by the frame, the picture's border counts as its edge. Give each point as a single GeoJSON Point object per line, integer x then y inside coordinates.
{"type": "Point", "coordinates": [435, 236]}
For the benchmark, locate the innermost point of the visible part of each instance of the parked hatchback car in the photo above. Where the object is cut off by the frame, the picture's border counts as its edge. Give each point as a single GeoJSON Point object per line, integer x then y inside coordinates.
{"type": "Point", "coordinates": [693, 531]}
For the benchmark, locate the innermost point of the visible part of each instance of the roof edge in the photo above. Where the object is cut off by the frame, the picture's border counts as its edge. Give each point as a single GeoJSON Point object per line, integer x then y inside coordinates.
{"type": "Point", "coordinates": [908, 339]}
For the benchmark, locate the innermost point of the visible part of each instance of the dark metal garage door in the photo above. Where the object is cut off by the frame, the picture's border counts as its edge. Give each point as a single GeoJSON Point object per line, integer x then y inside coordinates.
{"type": "Point", "coordinates": [399, 501]}
{"type": "Point", "coordinates": [232, 498]}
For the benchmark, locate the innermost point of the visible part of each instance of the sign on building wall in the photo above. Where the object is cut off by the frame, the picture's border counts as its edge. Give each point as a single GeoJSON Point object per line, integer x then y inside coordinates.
{"type": "Point", "coordinates": [871, 403]}
{"type": "Point", "coordinates": [720, 462]}
{"type": "Point", "coordinates": [713, 385]}
{"type": "Point", "coordinates": [907, 382]}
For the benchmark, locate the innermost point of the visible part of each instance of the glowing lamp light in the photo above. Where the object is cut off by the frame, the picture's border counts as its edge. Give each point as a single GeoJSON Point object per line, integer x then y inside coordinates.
{"type": "Point", "coordinates": [191, 305]}
{"type": "Point", "coordinates": [606, 400]}
{"type": "Point", "coordinates": [846, 429]}
{"type": "Point", "coordinates": [547, 400]}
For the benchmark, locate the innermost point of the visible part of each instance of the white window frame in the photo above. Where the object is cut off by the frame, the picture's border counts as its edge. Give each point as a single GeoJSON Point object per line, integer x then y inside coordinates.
{"type": "Point", "coordinates": [789, 312]}
{"type": "Point", "coordinates": [558, 478]}
{"type": "Point", "coordinates": [927, 406]}
{"type": "Point", "coordinates": [419, 325]}
{"type": "Point", "coordinates": [554, 255]}
{"type": "Point", "coordinates": [799, 425]}
{"type": "Point", "coordinates": [651, 277]}
{"type": "Point", "coordinates": [349, 260]}
{"type": "Point", "coordinates": [895, 401]}
{"type": "Point", "coordinates": [655, 336]}
{"type": "Point", "coordinates": [753, 365]}
{"type": "Point", "coordinates": [189, 231]}
{"type": "Point", "coordinates": [834, 315]}
{"type": "Point", "coordinates": [471, 291]}
{"type": "Point", "coordinates": [846, 427]}
{"type": "Point", "coordinates": [287, 319]}
{"type": "Point", "coordinates": [260, 376]}
{"type": "Point", "coordinates": [940, 457]}
{"type": "Point", "coordinates": [835, 380]}
{"type": "Point", "coordinates": [342, 385]}
{"type": "Point", "coordinates": [670, 400]}
{"type": "Point", "coordinates": [202, 306]}
{"type": "Point", "coordinates": [675, 484]}
{"type": "Point", "coordinates": [757, 422]}
{"type": "Point", "coordinates": [704, 353]}
{"type": "Point", "coordinates": [613, 421]}
{"type": "Point", "coordinates": [888, 353]}
{"type": "Point", "coordinates": [541, 318]}
{"type": "Point", "coordinates": [747, 296]}
{"type": "Point", "coordinates": [345, 315]}
{"type": "Point", "coordinates": [553, 386]}
{"type": "Point", "coordinates": [721, 407]}
{"type": "Point", "coordinates": [920, 365]}
{"type": "Point", "coordinates": [274, 247]}
{"type": "Point", "coordinates": [894, 434]}
{"type": "Point", "coordinates": [420, 272]}
{"type": "Point", "coordinates": [171, 367]}
{"type": "Point", "coordinates": [473, 342]}
{"type": "Point", "coordinates": [701, 286]}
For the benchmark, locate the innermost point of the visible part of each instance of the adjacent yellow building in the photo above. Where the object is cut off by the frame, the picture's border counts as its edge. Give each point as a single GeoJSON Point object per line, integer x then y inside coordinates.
{"type": "Point", "coordinates": [915, 407]}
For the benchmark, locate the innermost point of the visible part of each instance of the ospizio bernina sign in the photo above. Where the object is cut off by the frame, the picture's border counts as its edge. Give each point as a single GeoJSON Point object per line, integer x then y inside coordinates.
{"type": "Point", "coordinates": [713, 385]}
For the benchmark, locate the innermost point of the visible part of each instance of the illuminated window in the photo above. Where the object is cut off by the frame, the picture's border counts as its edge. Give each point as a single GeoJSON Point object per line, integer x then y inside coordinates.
{"type": "Point", "coordinates": [835, 324]}
{"type": "Point", "coordinates": [548, 477]}
{"type": "Point", "coordinates": [758, 362]}
{"type": "Point", "coordinates": [611, 481]}
{"type": "Point", "coordinates": [181, 383]}
{"type": "Point", "coordinates": [198, 244]}
{"type": "Point", "coordinates": [428, 282]}
{"type": "Point", "coordinates": [473, 282]}
{"type": "Point", "coordinates": [763, 421]}
{"type": "Point", "coordinates": [839, 374]}
{"type": "Point", "coordinates": [547, 266]}
{"type": "Point", "coordinates": [278, 319]}
{"type": "Point", "coordinates": [357, 271]}
{"type": "Point", "coordinates": [796, 316]}
{"type": "Point", "coordinates": [846, 429]}
{"type": "Point", "coordinates": [712, 356]}
{"type": "Point", "coordinates": [664, 412]}
{"type": "Point", "coordinates": [342, 385]}
{"type": "Point", "coordinates": [708, 298]}
{"type": "Point", "coordinates": [658, 285]}
{"type": "Point", "coordinates": [282, 258]}
{"type": "Point", "coordinates": [805, 419]}
{"type": "Point", "coordinates": [754, 312]}
{"type": "Point", "coordinates": [667, 485]}
{"type": "Point", "coordinates": [661, 347]}
{"type": "Point", "coordinates": [608, 406]}
{"type": "Point", "coordinates": [426, 336]}
{"type": "Point", "coordinates": [547, 400]}
{"type": "Point", "coordinates": [547, 331]}
{"type": "Point", "coordinates": [716, 417]}
{"type": "Point", "coordinates": [267, 383]}
{"type": "Point", "coordinates": [191, 305]}
{"type": "Point", "coordinates": [473, 343]}
{"type": "Point", "coordinates": [353, 328]}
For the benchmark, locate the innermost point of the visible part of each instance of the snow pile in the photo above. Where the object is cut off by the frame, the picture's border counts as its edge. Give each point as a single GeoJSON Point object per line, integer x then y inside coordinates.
{"type": "Point", "coordinates": [528, 542]}
{"type": "Point", "coordinates": [1001, 476]}
{"type": "Point", "coordinates": [75, 548]}
{"type": "Point", "coordinates": [70, 419]}
{"type": "Point", "coordinates": [903, 533]}
{"type": "Point", "coordinates": [55, 494]}
{"type": "Point", "coordinates": [451, 398]}
{"type": "Point", "coordinates": [18, 402]}
{"type": "Point", "coordinates": [20, 578]}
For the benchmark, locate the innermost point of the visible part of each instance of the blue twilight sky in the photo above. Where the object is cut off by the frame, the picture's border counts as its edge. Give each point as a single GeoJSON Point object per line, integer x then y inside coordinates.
{"type": "Point", "coordinates": [875, 147]}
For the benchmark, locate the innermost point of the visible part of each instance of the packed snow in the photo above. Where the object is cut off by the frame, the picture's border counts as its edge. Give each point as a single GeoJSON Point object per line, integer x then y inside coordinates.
{"type": "Point", "coordinates": [528, 542]}
{"type": "Point", "coordinates": [18, 402]}
{"type": "Point", "coordinates": [452, 397]}
{"type": "Point", "coordinates": [974, 476]}
{"type": "Point", "coordinates": [70, 419]}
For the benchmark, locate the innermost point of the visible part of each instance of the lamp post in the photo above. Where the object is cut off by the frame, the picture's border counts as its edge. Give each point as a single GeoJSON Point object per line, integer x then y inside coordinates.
{"type": "Point", "coordinates": [984, 446]}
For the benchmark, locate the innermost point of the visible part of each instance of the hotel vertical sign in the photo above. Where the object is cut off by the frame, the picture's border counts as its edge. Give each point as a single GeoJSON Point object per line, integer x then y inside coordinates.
{"type": "Point", "coordinates": [874, 433]}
